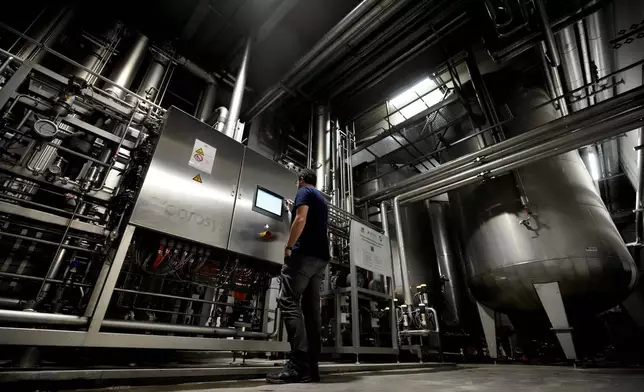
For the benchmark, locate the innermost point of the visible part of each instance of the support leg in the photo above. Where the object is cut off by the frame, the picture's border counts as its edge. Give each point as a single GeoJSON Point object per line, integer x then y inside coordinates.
{"type": "Point", "coordinates": [550, 297]}
{"type": "Point", "coordinates": [489, 328]}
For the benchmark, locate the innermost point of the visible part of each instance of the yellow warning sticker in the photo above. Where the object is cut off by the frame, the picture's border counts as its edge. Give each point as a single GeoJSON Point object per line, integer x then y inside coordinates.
{"type": "Point", "coordinates": [197, 178]}
{"type": "Point", "coordinates": [199, 151]}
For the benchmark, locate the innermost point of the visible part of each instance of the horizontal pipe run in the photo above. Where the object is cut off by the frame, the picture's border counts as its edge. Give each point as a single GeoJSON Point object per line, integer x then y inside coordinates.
{"type": "Point", "coordinates": [39, 279]}
{"type": "Point", "coordinates": [365, 18]}
{"type": "Point", "coordinates": [179, 328]}
{"type": "Point", "coordinates": [576, 139]}
{"type": "Point", "coordinates": [78, 216]}
{"type": "Point", "coordinates": [96, 161]}
{"type": "Point", "coordinates": [40, 241]}
{"type": "Point", "coordinates": [19, 316]}
{"type": "Point", "coordinates": [11, 302]}
{"type": "Point", "coordinates": [600, 110]}
{"type": "Point", "coordinates": [170, 296]}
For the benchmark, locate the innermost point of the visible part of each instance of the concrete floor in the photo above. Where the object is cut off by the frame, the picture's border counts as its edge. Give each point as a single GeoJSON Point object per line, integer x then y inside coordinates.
{"type": "Point", "coordinates": [464, 378]}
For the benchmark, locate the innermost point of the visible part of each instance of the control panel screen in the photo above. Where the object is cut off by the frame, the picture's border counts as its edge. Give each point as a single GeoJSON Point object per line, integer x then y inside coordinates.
{"type": "Point", "coordinates": [268, 202]}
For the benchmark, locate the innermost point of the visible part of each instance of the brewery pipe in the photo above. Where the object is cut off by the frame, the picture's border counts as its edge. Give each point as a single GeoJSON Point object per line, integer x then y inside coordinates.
{"type": "Point", "coordinates": [368, 16]}
{"type": "Point", "coordinates": [238, 94]}
{"type": "Point", "coordinates": [589, 115]}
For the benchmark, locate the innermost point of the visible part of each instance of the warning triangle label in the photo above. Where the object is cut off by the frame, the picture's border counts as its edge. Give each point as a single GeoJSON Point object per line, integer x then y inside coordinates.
{"type": "Point", "coordinates": [199, 151]}
{"type": "Point", "coordinates": [197, 178]}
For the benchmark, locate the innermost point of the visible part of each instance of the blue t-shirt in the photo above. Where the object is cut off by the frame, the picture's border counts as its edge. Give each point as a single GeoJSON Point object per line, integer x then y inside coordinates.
{"type": "Point", "coordinates": [314, 240]}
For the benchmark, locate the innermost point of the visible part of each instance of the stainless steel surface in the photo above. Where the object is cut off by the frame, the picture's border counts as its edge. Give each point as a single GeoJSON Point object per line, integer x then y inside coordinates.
{"type": "Point", "coordinates": [250, 370]}
{"type": "Point", "coordinates": [50, 218]}
{"type": "Point", "coordinates": [553, 54]}
{"type": "Point", "coordinates": [149, 87]}
{"type": "Point", "coordinates": [321, 145]}
{"type": "Point", "coordinates": [31, 317]}
{"type": "Point", "coordinates": [402, 255]}
{"type": "Point", "coordinates": [98, 313]}
{"type": "Point", "coordinates": [639, 191]}
{"type": "Point", "coordinates": [550, 297]}
{"type": "Point", "coordinates": [570, 238]}
{"type": "Point", "coordinates": [107, 136]}
{"type": "Point", "coordinates": [172, 202]}
{"type": "Point", "coordinates": [448, 268]}
{"type": "Point", "coordinates": [39, 337]}
{"type": "Point", "coordinates": [601, 52]}
{"type": "Point", "coordinates": [126, 69]}
{"type": "Point", "coordinates": [218, 119]}
{"type": "Point", "coordinates": [206, 103]}
{"type": "Point", "coordinates": [421, 260]}
{"type": "Point", "coordinates": [99, 55]}
{"type": "Point", "coordinates": [178, 328]}
{"type": "Point", "coordinates": [247, 224]}
{"type": "Point", "coordinates": [602, 63]}
{"type": "Point", "coordinates": [585, 57]}
{"type": "Point", "coordinates": [572, 67]}
{"type": "Point", "coordinates": [238, 92]}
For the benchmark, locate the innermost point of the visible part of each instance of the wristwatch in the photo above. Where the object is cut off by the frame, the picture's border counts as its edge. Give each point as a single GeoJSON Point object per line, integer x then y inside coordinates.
{"type": "Point", "coordinates": [289, 248]}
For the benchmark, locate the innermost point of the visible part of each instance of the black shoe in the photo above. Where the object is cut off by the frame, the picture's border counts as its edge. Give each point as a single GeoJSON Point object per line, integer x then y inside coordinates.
{"type": "Point", "coordinates": [314, 371]}
{"type": "Point", "coordinates": [291, 373]}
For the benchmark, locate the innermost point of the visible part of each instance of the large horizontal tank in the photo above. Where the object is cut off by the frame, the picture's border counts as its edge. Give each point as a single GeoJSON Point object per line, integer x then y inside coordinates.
{"type": "Point", "coordinates": [569, 239]}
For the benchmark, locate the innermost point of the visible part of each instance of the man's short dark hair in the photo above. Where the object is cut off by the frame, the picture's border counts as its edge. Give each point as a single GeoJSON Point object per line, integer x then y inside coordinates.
{"type": "Point", "coordinates": [308, 176]}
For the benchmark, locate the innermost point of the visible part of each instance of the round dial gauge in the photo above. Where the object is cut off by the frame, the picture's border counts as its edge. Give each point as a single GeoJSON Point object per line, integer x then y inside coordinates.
{"type": "Point", "coordinates": [45, 129]}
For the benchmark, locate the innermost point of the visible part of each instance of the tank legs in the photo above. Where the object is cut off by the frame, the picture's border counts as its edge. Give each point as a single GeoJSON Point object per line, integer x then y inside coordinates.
{"type": "Point", "coordinates": [550, 297]}
{"type": "Point", "coordinates": [489, 328]}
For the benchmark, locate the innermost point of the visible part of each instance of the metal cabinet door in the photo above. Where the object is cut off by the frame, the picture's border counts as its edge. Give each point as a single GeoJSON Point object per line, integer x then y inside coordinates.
{"type": "Point", "coordinates": [180, 197]}
{"type": "Point", "coordinates": [248, 224]}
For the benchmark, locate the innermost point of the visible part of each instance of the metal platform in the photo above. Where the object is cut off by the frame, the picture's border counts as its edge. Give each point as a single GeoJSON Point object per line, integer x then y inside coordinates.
{"type": "Point", "coordinates": [205, 373]}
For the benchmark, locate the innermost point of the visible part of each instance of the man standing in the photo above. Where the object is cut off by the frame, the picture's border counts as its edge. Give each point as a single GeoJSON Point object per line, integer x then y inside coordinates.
{"type": "Point", "coordinates": [305, 256]}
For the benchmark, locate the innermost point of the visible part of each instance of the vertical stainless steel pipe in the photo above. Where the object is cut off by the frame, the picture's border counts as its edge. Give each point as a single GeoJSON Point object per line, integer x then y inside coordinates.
{"type": "Point", "coordinates": [309, 152]}
{"type": "Point", "coordinates": [404, 270]}
{"type": "Point", "coordinates": [98, 54]}
{"type": "Point", "coordinates": [571, 62]}
{"type": "Point", "coordinates": [125, 71]}
{"type": "Point", "coordinates": [321, 147]}
{"type": "Point", "coordinates": [238, 92]}
{"type": "Point", "coordinates": [551, 45]}
{"type": "Point", "coordinates": [639, 224]}
{"type": "Point", "coordinates": [149, 87]}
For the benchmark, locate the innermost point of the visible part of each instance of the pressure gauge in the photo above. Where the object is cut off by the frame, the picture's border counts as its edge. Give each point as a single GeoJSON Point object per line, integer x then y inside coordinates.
{"type": "Point", "coordinates": [45, 129]}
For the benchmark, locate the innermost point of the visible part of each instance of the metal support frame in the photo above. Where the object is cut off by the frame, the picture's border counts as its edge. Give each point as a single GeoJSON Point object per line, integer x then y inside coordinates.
{"type": "Point", "coordinates": [489, 328]}
{"type": "Point", "coordinates": [355, 293]}
{"type": "Point", "coordinates": [94, 318]}
{"type": "Point", "coordinates": [550, 297]}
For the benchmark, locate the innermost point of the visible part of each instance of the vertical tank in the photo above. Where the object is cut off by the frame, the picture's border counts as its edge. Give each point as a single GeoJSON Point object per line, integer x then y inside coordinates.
{"type": "Point", "coordinates": [421, 257]}
{"type": "Point", "coordinates": [570, 237]}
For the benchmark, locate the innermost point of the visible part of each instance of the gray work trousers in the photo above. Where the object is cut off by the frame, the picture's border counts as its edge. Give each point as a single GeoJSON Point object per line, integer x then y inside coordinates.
{"type": "Point", "coordinates": [299, 301]}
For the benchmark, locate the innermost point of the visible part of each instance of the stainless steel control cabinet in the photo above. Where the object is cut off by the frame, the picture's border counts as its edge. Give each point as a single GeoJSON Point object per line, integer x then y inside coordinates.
{"type": "Point", "coordinates": [256, 232]}
{"type": "Point", "coordinates": [202, 186]}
